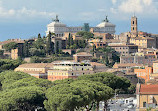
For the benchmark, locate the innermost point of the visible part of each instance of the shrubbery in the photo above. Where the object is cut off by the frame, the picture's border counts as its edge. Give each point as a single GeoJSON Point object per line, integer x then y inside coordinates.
{"type": "Point", "coordinates": [22, 92]}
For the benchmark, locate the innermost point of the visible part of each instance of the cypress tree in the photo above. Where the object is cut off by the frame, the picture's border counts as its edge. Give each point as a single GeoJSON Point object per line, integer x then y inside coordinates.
{"type": "Point", "coordinates": [26, 49]}
{"type": "Point", "coordinates": [49, 44]}
{"type": "Point", "coordinates": [69, 39]}
{"type": "Point", "coordinates": [57, 47]}
{"type": "Point", "coordinates": [39, 36]}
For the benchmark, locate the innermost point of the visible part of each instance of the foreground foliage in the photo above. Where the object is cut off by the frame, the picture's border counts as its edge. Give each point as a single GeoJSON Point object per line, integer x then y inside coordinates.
{"type": "Point", "coordinates": [8, 64]}
{"type": "Point", "coordinates": [22, 92]}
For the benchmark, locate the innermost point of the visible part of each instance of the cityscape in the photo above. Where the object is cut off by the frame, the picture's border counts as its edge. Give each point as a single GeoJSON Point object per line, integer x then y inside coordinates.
{"type": "Point", "coordinates": [81, 67]}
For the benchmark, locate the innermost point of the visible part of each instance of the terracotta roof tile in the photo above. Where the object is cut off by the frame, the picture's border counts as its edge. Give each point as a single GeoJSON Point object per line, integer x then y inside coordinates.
{"type": "Point", "coordinates": [149, 89]}
{"type": "Point", "coordinates": [36, 65]}
{"type": "Point", "coordinates": [12, 40]}
{"type": "Point", "coordinates": [82, 54]}
{"type": "Point", "coordinates": [97, 64]}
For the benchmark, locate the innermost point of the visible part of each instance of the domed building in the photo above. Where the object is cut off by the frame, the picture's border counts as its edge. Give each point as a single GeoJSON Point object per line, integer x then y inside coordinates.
{"type": "Point", "coordinates": [56, 27]}
{"type": "Point", "coordinates": [105, 27]}
{"type": "Point", "coordinates": [59, 28]}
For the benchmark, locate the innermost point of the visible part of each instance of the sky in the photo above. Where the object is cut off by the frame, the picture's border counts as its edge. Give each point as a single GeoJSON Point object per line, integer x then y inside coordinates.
{"type": "Point", "coordinates": [26, 18]}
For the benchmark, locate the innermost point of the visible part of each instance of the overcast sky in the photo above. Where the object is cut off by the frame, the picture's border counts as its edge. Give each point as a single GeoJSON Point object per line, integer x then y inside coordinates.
{"type": "Point", "coordinates": [27, 18]}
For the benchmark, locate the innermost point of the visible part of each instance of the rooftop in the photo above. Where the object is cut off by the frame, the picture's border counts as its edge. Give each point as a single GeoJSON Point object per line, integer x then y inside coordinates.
{"type": "Point", "coordinates": [82, 54]}
{"type": "Point", "coordinates": [128, 65]}
{"type": "Point", "coordinates": [142, 38]}
{"type": "Point", "coordinates": [97, 64]}
{"type": "Point", "coordinates": [149, 89]}
{"type": "Point", "coordinates": [36, 65]}
{"type": "Point", "coordinates": [12, 40]}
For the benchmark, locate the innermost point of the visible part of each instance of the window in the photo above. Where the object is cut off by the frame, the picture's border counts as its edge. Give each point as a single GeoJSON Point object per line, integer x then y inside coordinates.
{"type": "Point", "coordinates": [144, 104]}
{"type": "Point", "coordinates": [133, 28]}
{"type": "Point", "coordinates": [133, 22]}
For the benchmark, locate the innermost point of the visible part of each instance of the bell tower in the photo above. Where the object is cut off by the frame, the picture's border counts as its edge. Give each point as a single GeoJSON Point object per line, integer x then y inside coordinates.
{"type": "Point", "coordinates": [134, 26]}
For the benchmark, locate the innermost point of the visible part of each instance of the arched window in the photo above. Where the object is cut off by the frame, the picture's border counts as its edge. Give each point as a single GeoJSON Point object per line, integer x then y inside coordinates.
{"type": "Point", "coordinates": [133, 22]}
{"type": "Point", "coordinates": [133, 28]}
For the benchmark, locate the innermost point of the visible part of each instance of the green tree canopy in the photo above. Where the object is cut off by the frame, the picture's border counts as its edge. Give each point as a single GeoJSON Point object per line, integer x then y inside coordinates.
{"type": "Point", "coordinates": [1, 52]}
{"type": "Point", "coordinates": [85, 34]}
{"type": "Point", "coordinates": [109, 79]}
{"type": "Point", "coordinates": [8, 64]}
{"type": "Point", "coordinates": [75, 95]}
{"type": "Point", "coordinates": [22, 99]}
{"type": "Point", "coordinates": [10, 46]}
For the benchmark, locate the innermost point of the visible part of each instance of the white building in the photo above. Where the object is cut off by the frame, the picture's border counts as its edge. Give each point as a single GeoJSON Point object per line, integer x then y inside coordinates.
{"type": "Point", "coordinates": [59, 28]}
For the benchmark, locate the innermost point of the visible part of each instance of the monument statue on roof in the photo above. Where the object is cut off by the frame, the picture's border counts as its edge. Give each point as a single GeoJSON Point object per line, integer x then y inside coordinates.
{"type": "Point", "coordinates": [56, 19]}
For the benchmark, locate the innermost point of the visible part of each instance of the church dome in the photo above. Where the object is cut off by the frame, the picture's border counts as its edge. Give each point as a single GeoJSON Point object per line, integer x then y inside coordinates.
{"type": "Point", "coordinates": [56, 23]}
{"type": "Point", "coordinates": [105, 23]}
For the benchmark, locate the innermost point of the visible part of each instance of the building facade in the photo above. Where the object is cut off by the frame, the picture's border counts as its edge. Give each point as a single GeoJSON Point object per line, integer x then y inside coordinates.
{"type": "Point", "coordinates": [38, 70]}
{"type": "Point", "coordinates": [139, 58]}
{"type": "Point", "coordinates": [124, 49]}
{"type": "Point", "coordinates": [145, 42]}
{"type": "Point", "coordinates": [68, 69]}
{"type": "Point", "coordinates": [144, 73]}
{"type": "Point", "coordinates": [147, 97]}
{"type": "Point", "coordinates": [59, 28]}
{"type": "Point", "coordinates": [81, 56]}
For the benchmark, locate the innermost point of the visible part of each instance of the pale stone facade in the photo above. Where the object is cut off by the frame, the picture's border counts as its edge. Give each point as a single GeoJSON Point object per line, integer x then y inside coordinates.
{"type": "Point", "coordinates": [59, 28]}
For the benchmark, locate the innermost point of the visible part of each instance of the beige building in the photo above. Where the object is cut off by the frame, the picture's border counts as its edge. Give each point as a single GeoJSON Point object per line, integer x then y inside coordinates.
{"type": "Point", "coordinates": [99, 67]}
{"type": "Point", "coordinates": [59, 70]}
{"type": "Point", "coordinates": [155, 66]}
{"type": "Point", "coordinates": [144, 42]}
{"type": "Point", "coordinates": [140, 58]}
{"type": "Point", "coordinates": [69, 69]}
{"type": "Point", "coordinates": [147, 97]}
{"type": "Point", "coordinates": [129, 67]}
{"type": "Point", "coordinates": [123, 48]}
{"type": "Point", "coordinates": [15, 53]}
{"type": "Point", "coordinates": [81, 56]}
{"type": "Point", "coordinates": [38, 70]}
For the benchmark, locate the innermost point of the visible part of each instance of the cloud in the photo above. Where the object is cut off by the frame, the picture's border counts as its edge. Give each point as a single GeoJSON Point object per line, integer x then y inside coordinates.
{"type": "Point", "coordinates": [23, 13]}
{"type": "Point", "coordinates": [32, 13]}
{"type": "Point", "coordinates": [114, 1]}
{"type": "Point", "coordinates": [138, 6]}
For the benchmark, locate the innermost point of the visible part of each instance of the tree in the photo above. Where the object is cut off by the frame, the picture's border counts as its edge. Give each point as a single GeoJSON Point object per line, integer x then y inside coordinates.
{"type": "Point", "coordinates": [49, 48]}
{"type": "Point", "coordinates": [22, 99]}
{"type": "Point", "coordinates": [96, 92]}
{"type": "Point", "coordinates": [57, 47]}
{"type": "Point", "coordinates": [26, 49]}
{"type": "Point", "coordinates": [75, 95]}
{"type": "Point", "coordinates": [132, 89]}
{"type": "Point", "coordinates": [85, 34]}
{"type": "Point", "coordinates": [39, 36]}
{"type": "Point", "coordinates": [69, 39]}
{"type": "Point", "coordinates": [24, 91]}
{"type": "Point", "coordinates": [7, 64]}
{"type": "Point", "coordinates": [86, 27]}
{"type": "Point", "coordinates": [1, 52]}
{"type": "Point", "coordinates": [109, 79]}
{"type": "Point", "coordinates": [9, 77]}
{"type": "Point", "coordinates": [10, 46]}
{"type": "Point", "coordinates": [109, 53]}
